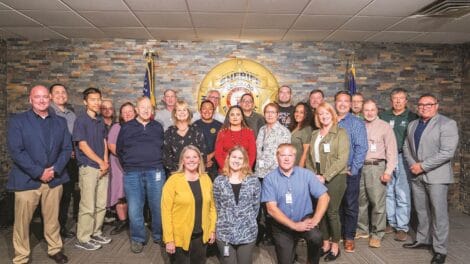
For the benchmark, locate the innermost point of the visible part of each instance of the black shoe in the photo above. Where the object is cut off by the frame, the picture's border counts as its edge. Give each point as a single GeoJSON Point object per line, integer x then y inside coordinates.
{"type": "Point", "coordinates": [119, 227]}
{"type": "Point", "coordinates": [59, 258]}
{"type": "Point", "coordinates": [330, 257]}
{"type": "Point", "coordinates": [160, 243]}
{"type": "Point", "coordinates": [416, 245]}
{"type": "Point", "coordinates": [323, 252]}
{"type": "Point", "coordinates": [438, 258]}
{"type": "Point", "coordinates": [66, 233]}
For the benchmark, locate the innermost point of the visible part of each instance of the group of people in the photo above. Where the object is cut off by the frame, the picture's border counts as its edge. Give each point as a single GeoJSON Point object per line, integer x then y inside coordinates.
{"type": "Point", "coordinates": [313, 171]}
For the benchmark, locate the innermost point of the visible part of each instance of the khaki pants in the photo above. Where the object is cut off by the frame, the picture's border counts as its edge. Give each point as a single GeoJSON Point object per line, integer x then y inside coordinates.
{"type": "Point", "coordinates": [25, 205]}
{"type": "Point", "coordinates": [92, 209]}
{"type": "Point", "coordinates": [372, 193]}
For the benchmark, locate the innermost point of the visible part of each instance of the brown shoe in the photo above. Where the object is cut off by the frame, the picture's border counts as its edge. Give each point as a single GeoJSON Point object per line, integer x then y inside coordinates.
{"type": "Point", "coordinates": [349, 246]}
{"type": "Point", "coordinates": [374, 242]}
{"type": "Point", "coordinates": [389, 229]}
{"type": "Point", "coordinates": [401, 236]}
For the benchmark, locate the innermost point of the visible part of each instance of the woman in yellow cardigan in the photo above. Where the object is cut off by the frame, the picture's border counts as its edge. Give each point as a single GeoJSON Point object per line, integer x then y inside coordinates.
{"type": "Point", "coordinates": [188, 210]}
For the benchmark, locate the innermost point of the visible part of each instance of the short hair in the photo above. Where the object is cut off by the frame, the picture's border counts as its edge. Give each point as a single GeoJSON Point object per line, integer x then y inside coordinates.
{"type": "Point", "coordinates": [245, 170]}
{"type": "Point", "coordinates": [357, 94]}
{"type": "Point", "coordinates": [226, 123]}
{"type": "Point", "coordinates": [397, 91]}
{"type": "Point", "coordinates": [276, 106]}
{"type": "Point", "coordinates": [201, 167]}
{"type": "Point", "coordinates": [343, 92]}
{"type": "Point", "coordinates": [328, 108]}
{"type": "Point", "coordinates": [307, 120]}
{"type": "Point", "coordinates": [317, 91]}
{"type": "Point", "coordinates": [247, 94]}
{"type": "Point", "coordinates": [169, 90]}
{"type": "Point", "coordinates": [429, 95]}
{"type": "Point", "coordinates": [282, 86]}
{"type": "Point", "coordinates": [184, 104]}
{"type": "Point", "coordinates": [213, 91]}
{"type": "Point", "coordinates": [206, 102]}
{"type": "Point", "coordinates": [90, 90]}
{"type": "Point", "coordinates": [121, 120]}
{"type": "Point", "coordinates": [51, 88]}
{"type": "Point", "coordinates": [283, 145]}
{"type": "Point", "coordinates": [368, 101]}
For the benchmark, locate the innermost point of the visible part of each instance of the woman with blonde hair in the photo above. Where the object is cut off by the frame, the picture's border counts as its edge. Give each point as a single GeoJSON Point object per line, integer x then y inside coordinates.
{"type": "Point", "coordinates": [328, 158]}
{"type": "Point", "coordinates": [237, 199]}
{"type": "Point", "coordinates": [188, 211]}
{"type": "Point", "coordinates": [181, 134]}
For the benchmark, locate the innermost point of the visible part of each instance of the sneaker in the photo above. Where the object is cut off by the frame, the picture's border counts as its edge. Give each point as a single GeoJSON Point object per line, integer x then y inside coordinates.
{"type": "Point", "coordinates": [87, 245]}
{"type": "Point", "coordinates": [401, 236]}
{"type": "Point", "coordinates": [100, 239]}
{"type": "Point", "coordinates": [136, 247]}
{"type": "Point", "coordinates": [361, 235]}
{"type": "Point", "coordinates": [389, 229]}
{"type": "Point", "coordinates": [374, 242]}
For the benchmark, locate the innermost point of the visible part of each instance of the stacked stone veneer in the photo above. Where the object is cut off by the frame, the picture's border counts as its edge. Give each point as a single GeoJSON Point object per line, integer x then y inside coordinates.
{"type": "Point", "coordinates": [465, 132]}
{"type": "Point", "coordinates": [3, 112]}
{"type": "Point", "coordinates": [117, 67]}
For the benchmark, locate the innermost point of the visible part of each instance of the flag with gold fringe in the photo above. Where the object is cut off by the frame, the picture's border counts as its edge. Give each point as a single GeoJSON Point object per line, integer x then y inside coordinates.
{"type": "Point", "coordinates": [149, 84]}
{"type": "Point", "coordinates": [350, 79]}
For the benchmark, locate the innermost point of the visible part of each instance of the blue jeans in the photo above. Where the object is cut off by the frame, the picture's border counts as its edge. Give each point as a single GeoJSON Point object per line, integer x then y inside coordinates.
{"type": "Point", "coordinates": [137, 186]}
{"type": "Point", "coordinates": [349, 211]}
{"type": "Point", "coordinates": [398, 199]}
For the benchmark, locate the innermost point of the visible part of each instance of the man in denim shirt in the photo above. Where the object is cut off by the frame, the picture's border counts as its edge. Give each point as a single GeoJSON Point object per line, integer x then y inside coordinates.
{"type": "Point", "coordinates": [287, 191]}
{"type": "Point", "coordinates": [356, 130]}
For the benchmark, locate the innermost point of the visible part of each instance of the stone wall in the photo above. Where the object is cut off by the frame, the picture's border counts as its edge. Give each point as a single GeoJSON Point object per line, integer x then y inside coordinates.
{"type": "Point", "coordinates": [117, 67]}
{"type": "Point", "coordinates": [465, 131]}
{"type": "Point", "coordinates": [3, 112]}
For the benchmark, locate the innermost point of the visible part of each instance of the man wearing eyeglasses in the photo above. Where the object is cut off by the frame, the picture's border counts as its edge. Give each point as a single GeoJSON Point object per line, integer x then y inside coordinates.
{"type": "Point", "coordinates": [429, 147]}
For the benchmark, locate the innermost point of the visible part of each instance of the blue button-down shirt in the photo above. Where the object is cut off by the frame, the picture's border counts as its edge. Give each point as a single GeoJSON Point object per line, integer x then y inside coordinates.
{"type": "Point", "coordinates": [301, 184]}
{"type": "Point", "coordinates": [358, 147]}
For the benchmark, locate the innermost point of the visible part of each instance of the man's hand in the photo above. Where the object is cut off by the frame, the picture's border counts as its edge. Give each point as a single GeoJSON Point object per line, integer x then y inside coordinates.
{"type": "Point", "coordinates": [416, 169]}
{"type": "Point", "coordinates": [304, 225]}
{"type": "Point", "coordinates": [47, 175]}
{"type": "Point", "coordinates": [385, 178]}
{"type": "Point", "coordinates": [170, 248]}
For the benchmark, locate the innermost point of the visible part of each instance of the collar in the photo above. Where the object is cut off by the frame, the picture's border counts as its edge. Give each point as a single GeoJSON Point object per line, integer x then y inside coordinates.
{"type": "Point", "coordinates": [57, 109]}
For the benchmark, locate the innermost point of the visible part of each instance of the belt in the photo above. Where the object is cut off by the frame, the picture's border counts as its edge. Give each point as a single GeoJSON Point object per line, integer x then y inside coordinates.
{"type": "Point", "coordinates": [373, 162]}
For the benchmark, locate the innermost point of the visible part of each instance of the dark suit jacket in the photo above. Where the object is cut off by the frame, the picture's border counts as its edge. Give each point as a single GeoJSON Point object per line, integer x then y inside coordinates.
{"type": "Point", "coordinates": [436, 148]}
{"type": "Point", "coordinates": [31, 156]}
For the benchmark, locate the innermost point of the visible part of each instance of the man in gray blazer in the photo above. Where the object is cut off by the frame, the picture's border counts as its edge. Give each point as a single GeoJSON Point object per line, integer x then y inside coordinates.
{"type": "Point", "coordinates": [429, 147]}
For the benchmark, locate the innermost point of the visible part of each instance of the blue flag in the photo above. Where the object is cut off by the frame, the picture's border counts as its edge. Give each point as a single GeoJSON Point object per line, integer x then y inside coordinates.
{"type": "Point", "coordinates": [350, 80]}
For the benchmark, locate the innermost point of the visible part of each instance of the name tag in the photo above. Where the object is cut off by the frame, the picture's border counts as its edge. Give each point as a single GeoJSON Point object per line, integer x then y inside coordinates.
{"type": "Point", "coordinates": [226, 251]}
{"type": "Point", "coordinates": [373, 147]}
{"type": "Point", "coordinates": [288, 198]}
{"type": "Point", "coordinates": [326, 148]}
{"type": "Point", "coordinates": [158, 176]}
{"type": "Point", "coordinates": [392, 123]}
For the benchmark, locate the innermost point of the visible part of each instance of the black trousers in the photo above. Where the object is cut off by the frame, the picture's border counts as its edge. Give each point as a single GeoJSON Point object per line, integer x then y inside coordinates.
{"type": "Point", "coordinates": [68, 193]}
{"type": "Point", "coordinates": [285, 241]}
{"type": "Point", "coordinates": [195, 255]}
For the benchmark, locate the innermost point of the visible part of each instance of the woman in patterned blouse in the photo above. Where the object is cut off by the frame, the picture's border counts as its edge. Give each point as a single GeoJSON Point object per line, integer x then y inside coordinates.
{"type": "Point", "coordinates": [235, 132]}
{"type": "Point", "coordinates": [181, 134]}
{"type": "Point", "coordinates": [237, 200]}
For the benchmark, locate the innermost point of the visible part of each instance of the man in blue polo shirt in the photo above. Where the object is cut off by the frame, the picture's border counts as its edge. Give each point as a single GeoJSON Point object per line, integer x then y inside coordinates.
{"type": "Point", "coordinates": [89, 133]}
{"type": "Point", "coordinates": [287, 191]}
{"type": "Point", "coordinates": [139, 148]}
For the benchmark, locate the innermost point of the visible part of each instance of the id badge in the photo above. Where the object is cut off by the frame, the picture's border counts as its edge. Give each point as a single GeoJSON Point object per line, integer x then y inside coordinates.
{"type": "Point", "coordinates": [373, 147]}
{"type": "Point", "coordinates": [326, 148]}
{"type": "Point", "coordinates": [158, 176]}
{"type": "Point", "coordinates": [288, 198]}
{"type": "Point", "coordinates": [226, 251]}
{"type": "Point", "coordinates": [392, 123]}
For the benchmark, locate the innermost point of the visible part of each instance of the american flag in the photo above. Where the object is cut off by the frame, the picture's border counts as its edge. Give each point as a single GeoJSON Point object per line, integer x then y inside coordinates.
{"type": "Point", "coordinates": [350, 80]}
{"type": "Point", "coordinates": [149, 85]}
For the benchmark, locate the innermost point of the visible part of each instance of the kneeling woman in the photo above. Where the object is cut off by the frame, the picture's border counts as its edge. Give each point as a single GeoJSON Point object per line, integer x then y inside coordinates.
{"type": "Point", "coordinates": [188, 211]}
{"type": "Point", "coordinates": [237, 199]}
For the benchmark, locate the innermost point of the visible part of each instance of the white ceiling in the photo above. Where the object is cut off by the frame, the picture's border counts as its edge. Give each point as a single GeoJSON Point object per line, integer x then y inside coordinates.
{"type": "Point", "coordinates": [275, 20]}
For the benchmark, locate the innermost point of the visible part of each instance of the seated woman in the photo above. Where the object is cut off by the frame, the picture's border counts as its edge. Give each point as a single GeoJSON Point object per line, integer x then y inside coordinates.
{"type": "Point", "coordinates": [329, 152]}
{"type": "Point", "coordinates": [188, 211]}
{"type": "Point", "coordinates": [181, 134]}
{"type": "Point", "coordinates": [301, 129]}
{"type": "Point", "coordinates": [234, 132]}
{"type": "Point", "coordinates": [237, 199]}
{"type": "Point", "coordinates": [116, 196]}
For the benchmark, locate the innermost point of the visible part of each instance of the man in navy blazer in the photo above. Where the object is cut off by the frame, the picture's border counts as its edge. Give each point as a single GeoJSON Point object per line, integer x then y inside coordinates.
{"type": "Point", "coordinates": [40, 146]}
{"type": "Point", "coordinates": [429, 147]}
